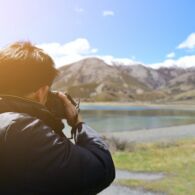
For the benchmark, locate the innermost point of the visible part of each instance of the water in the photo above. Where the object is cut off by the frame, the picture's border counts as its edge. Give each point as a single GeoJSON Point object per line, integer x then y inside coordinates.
{"type": "Point", "coordinates": [113, 118]}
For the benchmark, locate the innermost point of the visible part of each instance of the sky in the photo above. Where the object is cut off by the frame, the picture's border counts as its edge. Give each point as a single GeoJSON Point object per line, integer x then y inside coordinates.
{"type": "Point", "coordinates": [152, 32]}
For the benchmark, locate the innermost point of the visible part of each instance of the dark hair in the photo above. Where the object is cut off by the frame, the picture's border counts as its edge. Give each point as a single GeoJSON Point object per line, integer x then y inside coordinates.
{"type": "Point", "coordinates": [24, 68]}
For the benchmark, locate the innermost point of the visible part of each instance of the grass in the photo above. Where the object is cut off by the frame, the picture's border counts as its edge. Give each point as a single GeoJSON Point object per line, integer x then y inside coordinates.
{"type": "Point", "coordinates": [175, 159]}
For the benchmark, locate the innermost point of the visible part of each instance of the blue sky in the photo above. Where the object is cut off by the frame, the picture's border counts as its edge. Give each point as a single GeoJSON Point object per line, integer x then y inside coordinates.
{"type": "Point", "coordinates": [127, 30]}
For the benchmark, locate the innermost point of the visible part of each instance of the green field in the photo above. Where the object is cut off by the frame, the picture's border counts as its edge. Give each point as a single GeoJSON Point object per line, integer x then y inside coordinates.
{"type": "Point", "coordinates": [175, 159]}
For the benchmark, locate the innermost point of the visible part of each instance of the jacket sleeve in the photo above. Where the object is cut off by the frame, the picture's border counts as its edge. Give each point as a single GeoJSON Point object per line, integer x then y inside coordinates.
{"type": "Point", "coordinates": [55, 163]}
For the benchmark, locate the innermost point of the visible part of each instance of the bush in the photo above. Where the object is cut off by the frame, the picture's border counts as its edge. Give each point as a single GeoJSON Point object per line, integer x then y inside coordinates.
{"type": "Point", "coordinates": [118, 144]}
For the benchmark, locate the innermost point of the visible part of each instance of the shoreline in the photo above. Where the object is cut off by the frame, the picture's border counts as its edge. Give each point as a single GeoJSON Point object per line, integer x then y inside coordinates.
{"type": "Point", "coordinates": [152, 135]}
{"type": "Point", "coordinates": [155, 135]}
{"type": "Point", "coordinates": [168, 105]}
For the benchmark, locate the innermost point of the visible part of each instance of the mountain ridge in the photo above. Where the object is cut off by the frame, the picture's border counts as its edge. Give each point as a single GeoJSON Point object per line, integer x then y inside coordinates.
{"type": "Point", "coordinates": [93, 79]}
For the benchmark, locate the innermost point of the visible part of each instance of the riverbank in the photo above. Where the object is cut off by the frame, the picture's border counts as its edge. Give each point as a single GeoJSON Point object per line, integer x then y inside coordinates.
{"type": "Point", "coordinates": [164, 105]}
{"type": "Point", "coordinates": [154, 135]}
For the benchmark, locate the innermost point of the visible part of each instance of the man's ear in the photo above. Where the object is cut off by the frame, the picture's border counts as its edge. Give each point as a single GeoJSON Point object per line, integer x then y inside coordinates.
{"type": "Point", "coordinates": [41, 94]}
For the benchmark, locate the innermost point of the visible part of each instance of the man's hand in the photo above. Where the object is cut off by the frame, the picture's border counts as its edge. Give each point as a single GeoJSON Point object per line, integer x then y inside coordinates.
{"type": "Point", "coordinates": [72, 114]}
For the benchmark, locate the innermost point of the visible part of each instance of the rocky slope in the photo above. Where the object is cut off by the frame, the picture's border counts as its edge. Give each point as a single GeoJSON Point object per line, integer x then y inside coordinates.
{"type": "Point", "coordinates": [94, 80]}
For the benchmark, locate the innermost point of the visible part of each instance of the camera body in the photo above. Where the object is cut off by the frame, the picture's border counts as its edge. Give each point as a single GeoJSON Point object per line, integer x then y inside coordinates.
{"type": "Point", "coordinates": [56, 106]}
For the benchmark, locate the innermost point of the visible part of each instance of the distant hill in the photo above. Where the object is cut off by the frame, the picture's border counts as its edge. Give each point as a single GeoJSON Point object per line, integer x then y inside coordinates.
{"type": "Point", "coordinates": [93, 80]}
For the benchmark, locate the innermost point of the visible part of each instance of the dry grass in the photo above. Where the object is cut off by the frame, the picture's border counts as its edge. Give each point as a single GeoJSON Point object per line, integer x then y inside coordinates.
{"type": "Point", "coordinates": [175, 159]}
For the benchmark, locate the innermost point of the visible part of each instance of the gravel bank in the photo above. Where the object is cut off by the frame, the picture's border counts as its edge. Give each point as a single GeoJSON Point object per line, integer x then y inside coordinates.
{"type": "Point", "coordinates": [153, 135]}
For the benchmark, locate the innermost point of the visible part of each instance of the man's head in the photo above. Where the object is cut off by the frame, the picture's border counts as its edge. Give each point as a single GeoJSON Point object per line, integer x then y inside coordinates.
{"type": "Point", "coordinates": [25, 69]}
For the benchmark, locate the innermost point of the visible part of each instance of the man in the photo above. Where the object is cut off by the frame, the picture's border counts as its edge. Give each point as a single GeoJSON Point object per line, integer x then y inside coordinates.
{"type": "Point", "coordinates": [34, 158]}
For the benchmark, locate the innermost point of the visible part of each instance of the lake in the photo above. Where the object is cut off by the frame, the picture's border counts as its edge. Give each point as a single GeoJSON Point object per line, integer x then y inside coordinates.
{"type": "Point", "coordinates": [113, 118]}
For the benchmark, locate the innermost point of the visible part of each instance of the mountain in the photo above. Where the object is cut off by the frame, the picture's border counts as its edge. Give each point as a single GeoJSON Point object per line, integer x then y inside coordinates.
{"type": "Point", "coordinates": [93, 80]}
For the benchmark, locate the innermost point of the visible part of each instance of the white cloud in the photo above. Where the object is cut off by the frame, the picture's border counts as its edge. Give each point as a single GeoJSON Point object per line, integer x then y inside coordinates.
{"type": "Point", "coordinates": [80, 48]}
{"type": "Point", "coordinates": [69, 52]}
{"type": "Point", "coordinates": [170, 55]}
{"type": "Point", "coordinates": [94, 50]}
{"type": "Point", "coordinates": [189, 43]}
{"type": "Point", "coordinates": [66, 60]}
{"type": "Point", "coordinates": [186, 61]}
{"type": "Point", "coordinates": [79, 10]}
{"type": "Point", "coordinates": [108, 13]}
{"type": "Point", "coordinates": [182, 62]}
{"type": "Point", "coordinates": [111, 60]}
{"type": "Point", "coordinates": [166, 63]}
{"type": "Point", "coordinates": [77, 50]}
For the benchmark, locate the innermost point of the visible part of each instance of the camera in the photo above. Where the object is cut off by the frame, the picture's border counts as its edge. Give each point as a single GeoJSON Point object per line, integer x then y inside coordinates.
{"type": "Point", "coordinates": [56, 106]}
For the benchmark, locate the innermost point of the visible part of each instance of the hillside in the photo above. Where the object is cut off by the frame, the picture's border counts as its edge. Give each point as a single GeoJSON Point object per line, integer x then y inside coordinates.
{"type": "Point", "coordinates": [93, 80]}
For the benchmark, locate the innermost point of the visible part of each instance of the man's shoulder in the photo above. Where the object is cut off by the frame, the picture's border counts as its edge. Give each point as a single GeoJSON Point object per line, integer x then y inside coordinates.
{"type": "Point", "coordinates": [14, 116]}
{"type": "Point", "coordinates": [18, 121]}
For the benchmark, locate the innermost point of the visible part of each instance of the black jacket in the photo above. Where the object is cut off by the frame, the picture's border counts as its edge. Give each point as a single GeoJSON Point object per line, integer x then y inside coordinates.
{"type": "Point", "coordinates": [34, 159]}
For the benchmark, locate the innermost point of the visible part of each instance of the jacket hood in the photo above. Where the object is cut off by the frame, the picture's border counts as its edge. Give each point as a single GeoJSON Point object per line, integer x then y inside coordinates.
{"type": "Point", "coordinates": [9, 103]}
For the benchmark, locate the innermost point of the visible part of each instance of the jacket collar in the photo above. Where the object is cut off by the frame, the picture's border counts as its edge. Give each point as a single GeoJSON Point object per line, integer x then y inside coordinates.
{"type": "Point", "coordinates": [9, 103]}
